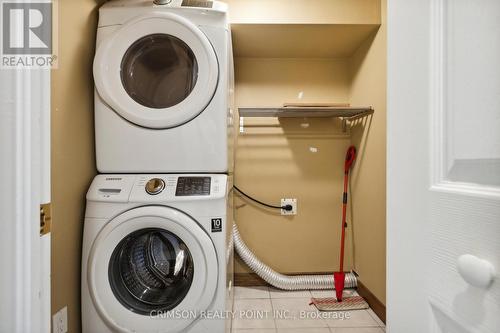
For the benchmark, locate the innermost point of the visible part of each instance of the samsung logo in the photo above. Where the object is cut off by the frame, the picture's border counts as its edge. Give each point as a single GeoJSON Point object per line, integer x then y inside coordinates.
{"type": "Point", "coordinates": [115, 178]}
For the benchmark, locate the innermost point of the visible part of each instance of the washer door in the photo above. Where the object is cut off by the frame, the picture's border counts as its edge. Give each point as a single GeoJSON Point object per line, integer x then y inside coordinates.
{"type": "Point", "coordinates": [157, 71]}
{"type": "Point", "coordinates": [148, 261]}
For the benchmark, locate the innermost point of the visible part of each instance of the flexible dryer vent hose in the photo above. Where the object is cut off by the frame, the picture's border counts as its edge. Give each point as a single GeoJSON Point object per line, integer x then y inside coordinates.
{"type": "Point", "coordinates": [285, 282]}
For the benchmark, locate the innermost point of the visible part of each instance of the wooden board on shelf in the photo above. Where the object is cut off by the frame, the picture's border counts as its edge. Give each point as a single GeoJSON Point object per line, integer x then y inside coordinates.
{"type": "Point", "coordinates": [315, 105]}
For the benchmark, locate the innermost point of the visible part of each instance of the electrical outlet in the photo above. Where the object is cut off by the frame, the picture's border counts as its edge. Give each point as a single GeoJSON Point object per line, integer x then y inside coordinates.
{"type": "Point", "coordinates": [292, 202]}
{"type": "Point", "coordinates": [60, 321]}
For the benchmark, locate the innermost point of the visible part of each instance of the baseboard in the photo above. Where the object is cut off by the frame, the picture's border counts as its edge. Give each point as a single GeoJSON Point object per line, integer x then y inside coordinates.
{"type": "Point", "coordinates": [252, 280]}
{"type": "Point", "coordinates": [248, 280]}
{"type": "Point", "coordinates": [375, 304]}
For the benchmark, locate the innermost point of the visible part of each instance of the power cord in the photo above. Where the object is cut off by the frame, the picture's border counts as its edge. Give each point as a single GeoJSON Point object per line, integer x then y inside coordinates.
{"type": "Point", "coordinates": [287, 208]}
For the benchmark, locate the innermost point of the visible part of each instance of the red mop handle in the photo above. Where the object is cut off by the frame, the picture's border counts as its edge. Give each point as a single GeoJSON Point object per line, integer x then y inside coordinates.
{"type": "Point", "coordinates": [349, 160]}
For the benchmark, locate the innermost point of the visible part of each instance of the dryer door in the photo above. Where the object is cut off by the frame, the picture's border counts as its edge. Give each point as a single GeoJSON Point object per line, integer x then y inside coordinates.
{"type": "Point", "coordinates": [157, 71]}
{"type": "Point", "coordinates": [147, 262]}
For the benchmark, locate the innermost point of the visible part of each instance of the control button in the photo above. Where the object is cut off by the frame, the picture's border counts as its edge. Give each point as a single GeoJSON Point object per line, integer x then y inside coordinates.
{"type": "Point", "coordinates": [155, 186]}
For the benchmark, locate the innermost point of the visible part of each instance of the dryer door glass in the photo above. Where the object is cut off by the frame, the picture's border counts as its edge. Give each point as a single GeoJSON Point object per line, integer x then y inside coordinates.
{"type": "Point", "coordinates": [151, 270]}
{"type": "Point", "coordinates": [159, 71]}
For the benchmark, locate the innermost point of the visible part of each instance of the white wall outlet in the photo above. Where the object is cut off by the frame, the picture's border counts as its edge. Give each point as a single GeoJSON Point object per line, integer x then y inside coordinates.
{"type": "Point", "coordinates": [60, 321]}
{"type": "Point", "coordinates": [292, 202]}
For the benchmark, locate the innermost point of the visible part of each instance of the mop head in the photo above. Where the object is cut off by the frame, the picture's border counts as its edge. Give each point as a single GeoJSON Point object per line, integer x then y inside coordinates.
{"type": "Point", "coordinates": [347, 304]}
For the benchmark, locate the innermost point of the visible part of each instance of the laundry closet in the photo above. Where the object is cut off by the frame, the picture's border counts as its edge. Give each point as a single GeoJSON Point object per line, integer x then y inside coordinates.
{"type": "Point", "coordinates": [315, 52]}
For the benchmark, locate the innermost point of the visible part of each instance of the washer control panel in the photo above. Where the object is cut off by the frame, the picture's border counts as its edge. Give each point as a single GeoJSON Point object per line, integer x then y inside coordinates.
{"type": "Point", "coordinates": [151, 188]}
{"type": "Point", "coordinates": [189, 186]}
{"type": "Point", "coordinates": [155, 186]}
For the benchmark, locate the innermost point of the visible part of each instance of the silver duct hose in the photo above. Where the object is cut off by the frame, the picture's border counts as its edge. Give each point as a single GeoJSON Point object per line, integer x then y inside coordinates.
{"type": "Point", "coordinates": [230, 248]}
{"type": "Point", "coordinates": [285, 282]}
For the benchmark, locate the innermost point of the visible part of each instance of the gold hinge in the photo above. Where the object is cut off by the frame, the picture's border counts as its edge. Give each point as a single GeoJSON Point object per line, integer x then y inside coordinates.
{"type": "Point", "coordinates": [45, 218]}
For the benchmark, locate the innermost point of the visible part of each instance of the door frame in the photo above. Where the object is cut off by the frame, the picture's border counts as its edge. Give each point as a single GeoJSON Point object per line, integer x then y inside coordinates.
{"type": "Point", "coordinates": [25, 147]}
{"type": "Point", "coordinates": [407, 96]}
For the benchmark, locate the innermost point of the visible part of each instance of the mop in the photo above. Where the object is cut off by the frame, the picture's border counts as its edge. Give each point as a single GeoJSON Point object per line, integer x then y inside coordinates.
{"type": "Point", "coordinates": [351, 302]}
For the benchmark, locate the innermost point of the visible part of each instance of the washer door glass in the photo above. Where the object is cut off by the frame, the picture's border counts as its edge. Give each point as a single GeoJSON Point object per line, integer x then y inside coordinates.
{"type": "Point", "coordinates": [159, 71]}
{"type": "Point", "coordinates": [151, 270]}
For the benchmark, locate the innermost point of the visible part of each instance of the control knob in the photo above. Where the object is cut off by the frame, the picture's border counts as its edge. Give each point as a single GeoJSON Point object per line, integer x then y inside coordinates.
{"type": "Point", "coordinates": [155, 186]}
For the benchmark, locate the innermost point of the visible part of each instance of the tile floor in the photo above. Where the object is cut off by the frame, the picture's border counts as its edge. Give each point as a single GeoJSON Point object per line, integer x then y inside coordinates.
{"type": "Point", "coordinates": [268, 310]}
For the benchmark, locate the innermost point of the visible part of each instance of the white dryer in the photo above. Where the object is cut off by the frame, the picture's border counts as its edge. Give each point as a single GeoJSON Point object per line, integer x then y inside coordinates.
{"type": "Point", "coordinates": [155, 254]}
{"type": "Point", "coordinates": [163, 87]}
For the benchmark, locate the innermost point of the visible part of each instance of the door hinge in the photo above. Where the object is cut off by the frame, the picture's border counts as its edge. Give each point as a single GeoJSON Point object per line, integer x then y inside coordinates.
{"type": "Point", "coordinates": [45, 218]}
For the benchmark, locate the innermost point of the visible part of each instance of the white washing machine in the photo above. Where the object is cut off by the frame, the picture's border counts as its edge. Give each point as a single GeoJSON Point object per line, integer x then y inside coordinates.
{"type": "Point", "coordinates": [164, 87]}
{"type": "Point", "coordinates": [156, 255]}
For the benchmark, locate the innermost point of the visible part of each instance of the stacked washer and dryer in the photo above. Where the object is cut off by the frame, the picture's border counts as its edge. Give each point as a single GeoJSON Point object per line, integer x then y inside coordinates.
{"type": "Point", "coordinates": [157, 233]}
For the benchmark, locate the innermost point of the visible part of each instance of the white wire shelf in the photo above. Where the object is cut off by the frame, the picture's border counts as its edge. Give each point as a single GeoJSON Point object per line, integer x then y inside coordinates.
{"type": "Point", "coordinates": [346, 113]}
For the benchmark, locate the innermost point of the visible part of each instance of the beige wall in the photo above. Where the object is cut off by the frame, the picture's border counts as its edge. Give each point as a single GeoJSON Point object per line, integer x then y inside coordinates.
{"type": "Point", "coordinates": [274, 160]}
{"type": "Point", "coordinates": [73, 165]}
{"type": "Point", "coordinates": [368, 185]}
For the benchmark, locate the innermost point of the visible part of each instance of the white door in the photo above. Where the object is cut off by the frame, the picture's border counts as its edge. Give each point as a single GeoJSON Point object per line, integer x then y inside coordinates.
{"type": "Point", "coordinates": [443, 166]}
{"type": "Point", "coordinates": [25, 185]}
